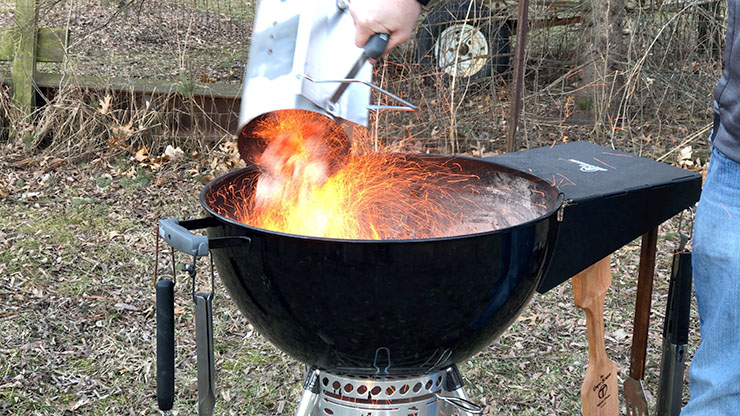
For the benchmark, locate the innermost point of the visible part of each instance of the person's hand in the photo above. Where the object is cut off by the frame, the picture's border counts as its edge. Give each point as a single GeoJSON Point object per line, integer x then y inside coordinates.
{"type": "Point", "coordinates": [397, 18]}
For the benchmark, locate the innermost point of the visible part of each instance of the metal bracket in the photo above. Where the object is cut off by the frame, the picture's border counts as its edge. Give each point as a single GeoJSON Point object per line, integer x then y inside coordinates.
{"type": "Point", "coordinates": [377, 356]}
{"type": "Point", "coordinates": [406, 106]}
{"type": "Point", "coordinates": [462, 404]}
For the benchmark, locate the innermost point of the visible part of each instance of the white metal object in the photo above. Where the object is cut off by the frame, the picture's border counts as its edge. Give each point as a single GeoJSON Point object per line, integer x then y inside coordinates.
{"type": "Point", "coordinates": [433, 394]}
{"type": "Point", "coordinates": [296, 40]}
{"type": "Point", "coordinates": [461, 50]}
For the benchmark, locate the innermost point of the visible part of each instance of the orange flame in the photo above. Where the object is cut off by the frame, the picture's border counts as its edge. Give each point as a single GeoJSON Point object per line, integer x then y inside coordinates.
{"type": "Point", "coordinates": [372, 196]}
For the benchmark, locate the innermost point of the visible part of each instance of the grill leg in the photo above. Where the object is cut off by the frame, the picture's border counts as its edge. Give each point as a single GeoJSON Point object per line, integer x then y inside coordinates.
{"type": "Point", "coordinates": [310, 397]}
{"type": "Point", "coordinates": [454, 400]}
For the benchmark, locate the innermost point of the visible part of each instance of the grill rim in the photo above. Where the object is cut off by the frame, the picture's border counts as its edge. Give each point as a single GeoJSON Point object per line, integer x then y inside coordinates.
{"type": "Point", "coordinates": [556, 197]}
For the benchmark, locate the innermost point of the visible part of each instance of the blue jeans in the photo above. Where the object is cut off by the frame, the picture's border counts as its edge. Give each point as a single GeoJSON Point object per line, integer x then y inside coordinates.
{"type": "Point", "coordinates": [714, 374]}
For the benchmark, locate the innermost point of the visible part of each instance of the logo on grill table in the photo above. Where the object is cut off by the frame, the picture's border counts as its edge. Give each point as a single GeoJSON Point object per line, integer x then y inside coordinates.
{"type": "Point", "coordinates": [587, 167]}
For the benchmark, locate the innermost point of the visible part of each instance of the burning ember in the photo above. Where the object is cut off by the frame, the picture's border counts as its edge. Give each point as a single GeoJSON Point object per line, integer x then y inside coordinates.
{"type": "Point", "coordinates": [306, 186]}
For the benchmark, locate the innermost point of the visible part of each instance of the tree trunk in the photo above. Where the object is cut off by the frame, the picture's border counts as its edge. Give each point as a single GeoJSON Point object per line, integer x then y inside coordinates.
{"type": "Point", "coordinates": [601, 79]}
{"type": "Point", "coordinates": [709, 28]}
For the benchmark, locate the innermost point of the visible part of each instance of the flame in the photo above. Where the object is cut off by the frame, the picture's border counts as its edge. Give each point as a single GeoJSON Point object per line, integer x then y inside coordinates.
{"type": "Point", "coordinates": [371, 196]}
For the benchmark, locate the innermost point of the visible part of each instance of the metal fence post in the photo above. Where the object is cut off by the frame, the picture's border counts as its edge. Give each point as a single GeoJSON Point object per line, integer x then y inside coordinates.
{"type": "Point", "coordinates": [519, 66]}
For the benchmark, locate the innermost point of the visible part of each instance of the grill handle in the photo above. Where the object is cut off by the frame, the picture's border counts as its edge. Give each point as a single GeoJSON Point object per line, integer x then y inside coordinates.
{"type": "Point", "coordinates": [165, 344]}
{"type": "Point", "coordinates": [180, 238]}
{"type": "Point", "coordinates": [374, 47]}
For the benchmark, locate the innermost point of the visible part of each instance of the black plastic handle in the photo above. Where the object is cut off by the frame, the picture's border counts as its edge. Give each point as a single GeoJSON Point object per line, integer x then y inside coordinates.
{"type": "Point", "coordinates": [376, 45]}
{"type": "Point", "coordinates": [374, 48]}
{"type": "Point", "coordinates": [683, 298]}
{"type": "Point", "coordinates": [165, 344]}
{"type": "Point", "coordinates": [676, 325]}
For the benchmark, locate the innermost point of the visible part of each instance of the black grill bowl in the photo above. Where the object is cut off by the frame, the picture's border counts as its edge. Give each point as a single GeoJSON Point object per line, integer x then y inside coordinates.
{"type": "Point", "coordinates": [389, 306]}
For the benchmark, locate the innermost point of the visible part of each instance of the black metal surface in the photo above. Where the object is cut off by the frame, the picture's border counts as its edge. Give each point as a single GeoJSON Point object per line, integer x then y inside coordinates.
{"type": "Point", "coordinates": [619, 198]}
{"type": "Point", "coordinates": [675, 336]}
{"type": "Point", "coordinates": [678, 309]}
{"type": "Point", "coordinates": [394, 306]}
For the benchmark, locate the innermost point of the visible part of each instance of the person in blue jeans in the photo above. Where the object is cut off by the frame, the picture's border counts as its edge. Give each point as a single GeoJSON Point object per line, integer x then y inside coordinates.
{"type": "Point", "coordinates": [714, 373]}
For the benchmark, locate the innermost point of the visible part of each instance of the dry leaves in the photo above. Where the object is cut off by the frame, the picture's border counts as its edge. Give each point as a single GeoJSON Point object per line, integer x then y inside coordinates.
{"type": "Point", "coordinates": [174, 153]}
{"type": "Point", "coordinates": [687, 160]}
{"type": "Point", "coordinates": [120, 135]}
{"type": "Point", "coordinates": [144, 159]}
{"type": "Point", "coordinates": [142, 155]}
{"type": "Point", "coordinates": [226, 157]}
{"type": "Point", "coordinates": [684, 157]}
{"type": "Point", "coordinates": [105, 104]}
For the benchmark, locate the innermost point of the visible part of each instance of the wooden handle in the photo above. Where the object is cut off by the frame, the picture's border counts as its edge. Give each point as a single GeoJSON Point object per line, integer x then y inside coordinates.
{"type": "Point", "coordinates": [642, 304]}
{"type": "Point", "coordinates": [599, 391]}
{"type": "Point", "coordinates": [590, 285]}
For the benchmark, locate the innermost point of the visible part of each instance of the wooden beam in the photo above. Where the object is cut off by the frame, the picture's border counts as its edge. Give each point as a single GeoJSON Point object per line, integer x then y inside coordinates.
{"type": "Point", "coordinates": [50, 44]}
{"type": "Point", "coordinates": [141, 86]}
{"type": "Point", "coordinates": [24, 62]}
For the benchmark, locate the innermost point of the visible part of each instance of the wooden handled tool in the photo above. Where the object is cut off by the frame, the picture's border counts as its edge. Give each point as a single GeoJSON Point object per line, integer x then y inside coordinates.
{"type": "Point", "coordinates": [599, 391]}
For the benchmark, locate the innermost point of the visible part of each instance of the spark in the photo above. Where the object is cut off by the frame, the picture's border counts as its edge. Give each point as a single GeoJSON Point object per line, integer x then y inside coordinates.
{"type": "Point", "coordinates": [616, 154]}
{"type": "Point", "coordinates": [604, 163]}
{"type": "Point", "coordinates": [374, 195]}
{"type": "Point", "coordinates": [538, 192]}
{"type": "Point", "coordinates": [565, 178]}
